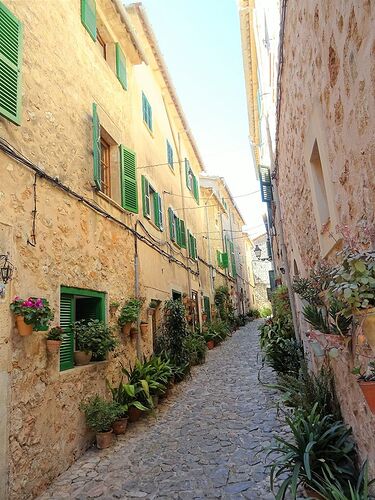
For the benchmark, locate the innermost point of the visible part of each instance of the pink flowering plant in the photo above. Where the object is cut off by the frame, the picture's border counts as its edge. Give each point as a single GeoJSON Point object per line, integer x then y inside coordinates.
{"type": "Point", "coordinates": [34, 311]}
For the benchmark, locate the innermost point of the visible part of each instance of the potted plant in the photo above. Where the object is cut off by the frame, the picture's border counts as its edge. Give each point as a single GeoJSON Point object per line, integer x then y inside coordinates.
{"type": "Point", "coordinates": [54, 338]}
{"type": "Point", "coordinates": [152, 306]}
{"type": "Point", "coordinates": [353, 284]}
{"type": "Point", "coordinates": [144, 327]}
{"type": "Point", "coordinates": [113, 306]}
{"type": "Point", "coordinates": [129, 314]}
{"type": "Point", "coordinates": [100, 416]}
{"type": "Point", "coordinates": [94, 339]}
{"type": "Point", "coordinates": [31, 313]}
{"type": "Point", "coordinates": [210, 337]}
{"type": "Point", "coordinates": [366, 382]}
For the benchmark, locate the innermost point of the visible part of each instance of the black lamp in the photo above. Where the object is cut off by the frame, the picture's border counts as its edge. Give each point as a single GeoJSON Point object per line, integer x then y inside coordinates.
{"type": "Point", "coordinates": [6, 269]}
{"type": "Point", "coordinates": [257, 251]}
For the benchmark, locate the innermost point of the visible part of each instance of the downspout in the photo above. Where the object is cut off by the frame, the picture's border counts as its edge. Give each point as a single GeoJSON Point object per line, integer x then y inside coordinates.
{"type": "Point", "coordinates": [209, 240]}
{"type": "Point", "coordinates": [234, 256]}
{"type": "Point", "coordinates": [284, 256]}
{"type": "Point", "coordinates": [137, 291]}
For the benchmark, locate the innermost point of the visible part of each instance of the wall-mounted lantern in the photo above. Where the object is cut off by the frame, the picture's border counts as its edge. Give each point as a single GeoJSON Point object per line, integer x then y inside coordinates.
{"type": "Point", "coordinates": [6, 269]}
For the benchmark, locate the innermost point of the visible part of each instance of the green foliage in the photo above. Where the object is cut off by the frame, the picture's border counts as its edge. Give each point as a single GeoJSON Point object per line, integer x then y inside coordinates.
{"type": "Point", "coordinates": [224, 303]}
{"type": "Point", "coordinates": [36, 312]}
{"type": "Point", "coordinates": [217, 330]}
{"type": "Point", "coordinates": [196, 345]}
{"type": "Point", "coordinates": [320, 446]}
{"type": "Point", "coordinates": [171, 342]}
{"type": "Point", "coordinates": [130, 311]}
{"type": "Point", "coordinates": [313, 288]}
{"type": "Point", "coordinates": [128, 395]}
{"type": "Point", "coordinates": [253, 313]}
{"type": "Point", "coordinates": [281, 305]}
{"type": "Point", "coordinates": [100, 414]}
{"type": "Point", "coordinates": [55, 333]}
{"type": "Point", "coordinates": [95, 336]}
{"type": "Point", "coordinates": [284, 355]}
{"type": "Point", "coordinates": [307, 389]}
{"type": "Point", "coordinates": [314, 316]}
{"type": "Point", "coordinates": [353, 281]}
{"type": "Point", "coordinates": [265, 312]}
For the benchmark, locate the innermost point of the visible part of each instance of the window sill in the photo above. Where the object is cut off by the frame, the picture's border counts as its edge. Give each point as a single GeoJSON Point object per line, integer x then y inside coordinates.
{"type": "Point", "coordinates": [112, 202]}
{"type": "Point", "coordinates": [79, 369]}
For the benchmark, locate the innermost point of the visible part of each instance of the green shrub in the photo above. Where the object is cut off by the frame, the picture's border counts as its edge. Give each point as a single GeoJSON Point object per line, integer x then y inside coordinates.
{"type": "Point", "coordinates": [100, 414]}
{"type": "Point", "coordinates": [281, 305]}
{"type": "Point", "coordinates": [284, 356]}
{"type": "Point", "coordinates": [130, 312]}
{"type": "Point", "coordinates": [219, 330]}
{"type": "Point", "coordinates": [265, 312]}
{"type": "Point", "coordinates": [320, 445]}
{"type": "Point", "coordinates": [95, 336]}
{"type": "Point", "coordinates": [224, 304]}
{"type": "Point", "coordinates": [196, 345]}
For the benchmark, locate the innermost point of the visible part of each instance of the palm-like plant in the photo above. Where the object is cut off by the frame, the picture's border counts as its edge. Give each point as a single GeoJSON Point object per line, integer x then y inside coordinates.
{"type": "Point", "coordinates": [320, 446]}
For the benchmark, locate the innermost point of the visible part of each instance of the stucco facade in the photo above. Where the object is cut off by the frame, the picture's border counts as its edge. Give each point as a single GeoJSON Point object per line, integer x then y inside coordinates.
{"type": "Point", "coordinates": [60, 230]}
{"type": "Point", "coordinates": [325, 173]}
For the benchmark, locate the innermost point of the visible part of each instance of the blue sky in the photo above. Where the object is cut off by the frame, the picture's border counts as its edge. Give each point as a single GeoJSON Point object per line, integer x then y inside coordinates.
{"type": "Point", "coordinates": [201, 44]}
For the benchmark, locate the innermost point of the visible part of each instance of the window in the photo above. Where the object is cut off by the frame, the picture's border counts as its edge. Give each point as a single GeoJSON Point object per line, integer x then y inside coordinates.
{"type": "Point", "coordinates": [319, 185]}
{"type": "Point", "coordinates": [177, 229]}
{"type": "Point", "coordinates": [114, 167]}
{"type": "Point", "coordinates": [10, 65]}
{"type": "Point", "coordinates": [170, 155]}
{"type": "Point", "coordinates": [147, 112]}
{"type": "Point", "coordinates": [77, 304]}
{"type": "Point", "coordinates": [222, 259]}
{"type": "Point", "coordinates": [192, 241]}
{"type": "Point", "coordinates": [105, 167]}
{"type": "Point", "coordinates": [191, 180]}
{"type": "Point", "coordinates": [121, 67]}
{"type": "Point", "coordinates": [152, 205]}
{"type": "Point", "coordinates": [101, 45]}
{"type": "Point", "coordinates": [176, 295]}
{"type": "Point", "coordinates": [224, 203]}
{"type": "Point", "coordinates": [207, 308]}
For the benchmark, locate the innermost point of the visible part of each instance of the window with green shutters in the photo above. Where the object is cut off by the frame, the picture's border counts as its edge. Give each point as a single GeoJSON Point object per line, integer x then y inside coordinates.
{"type": "Point", "coordinates": [172, 227]}
{"type": "Point", "coordinates": [207, 308]}
{"type": "Point", "coordinates": [177, 229]}
{"type": "Point", "coordinates": [129, 192]}
{"type": "Point", "coordinates": [170, 155]}
{"type": "Point", "coordinates": [77, 304]}
{"type": "Point", "coordinates": [152, 204]}
{"type": "Point", "coordinates": [222, 259]}
{"type": "Point", "coordinates": [88, 16]}
{"type": "Point", "coordinates": [121, 67]}
{"type": "Point", "coordinates": [10, 65]}
{"type": "Point", "coordinates": [192, 242]}
{"type": "Point", "coordinates": [191, 180]}
{"type": "Point", "coordinates": [232, 259]}
{"type": "Point", "coordinates": [182, 234]}
{"type": "Point", "coordinates": [147, 112]}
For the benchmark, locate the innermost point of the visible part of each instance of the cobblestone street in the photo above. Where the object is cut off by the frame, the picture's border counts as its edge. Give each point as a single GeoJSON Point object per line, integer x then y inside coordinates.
{"type": "Point", "coordinates": [203, 442]}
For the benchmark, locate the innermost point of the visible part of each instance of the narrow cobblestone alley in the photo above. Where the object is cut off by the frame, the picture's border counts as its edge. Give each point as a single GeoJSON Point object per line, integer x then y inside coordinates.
{"type": "Point", "coordinates": [203, 442]}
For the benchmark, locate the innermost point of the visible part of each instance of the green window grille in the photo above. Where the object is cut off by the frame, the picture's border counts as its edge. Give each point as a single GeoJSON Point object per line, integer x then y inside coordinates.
{"type": "Point", "coordinates": [88, 16]}
{"type": "Point", "coordinates": [121, 67]}
{"type": "Point", "coordinates": [129, 190]}
{"type": "Point", "coordinates": [10, 65]}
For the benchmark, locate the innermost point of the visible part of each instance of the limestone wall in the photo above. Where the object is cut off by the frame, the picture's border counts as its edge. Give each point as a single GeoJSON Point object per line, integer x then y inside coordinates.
{"type": "Point", "coordinates": [327, 95]}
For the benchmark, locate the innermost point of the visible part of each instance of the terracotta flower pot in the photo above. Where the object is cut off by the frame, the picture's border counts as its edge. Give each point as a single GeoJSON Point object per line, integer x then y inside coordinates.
{"type": "Point", "coordinates": [126, 328]}
{"type": "Point", "coordinates": [133, 331]}
{"type": "Point", "coordinates": [53, 346]}
{"type": "Point", "coordinates": [82, 358]}
{"type": "Point", "coordinates": [144, 328]}
{"type": "Point", "coordinates": [210, 344]}
{"type": "Point", "coordinates": [119, 427]}
{"type": "Point", "coordinates": [366, 319]}
{"type": "Point", "coordinates": [104, 439]}
{"type": "Point", "coordinates": [23, 329]}
{"type": "Point", "coordinates": [368, 390]}
{"type": "Point", "coordinates": [134, 414]}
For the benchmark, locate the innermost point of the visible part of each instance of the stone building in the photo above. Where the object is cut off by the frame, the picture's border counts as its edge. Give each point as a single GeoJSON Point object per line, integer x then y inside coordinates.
{"type": "Point", "coordinates": [263, 270]}
{"type": "Point", "coordinates": [323, 170]}
{"type": "Point", "coordinates": [99, 190]}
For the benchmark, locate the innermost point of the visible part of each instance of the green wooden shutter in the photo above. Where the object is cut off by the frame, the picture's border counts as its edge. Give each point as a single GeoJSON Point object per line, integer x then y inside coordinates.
{"type": "Point", "coordinates": [187, 171]}
{"type": "Point", "coordinates": [129, 194]}
{"type": "Point", "coordinates": [232, 258]}
{"type": "Point", "coordinates": [96, 147]}
{"type": "Point", "coordinates": [66, 319]}
{"type": "Point", "coordinates": [195, 247]}
{"type": "Point", "coordinates": [171, 224]}
{"type": "Point", "coordinates": [170, 155]}
{"type": "Point", "coordinates": [88, 16]}
{"type": "Point", "coordinates": [146, 197]}
{"type": "Point", "coordinates": [189, 242]}
{"type": "Point", "coordinates": [121, 67]}
{"type": "Point", "coordinates": [265, 184]}
{"type": "Point", "coordinates": [195, 188]}
{"type": "Point", "coordinates": [149, 115]}
{"type": "Point", "coordinates": [207, 308]}
{"type": "Point", "coordinates": [161, 218]}
{"type": "Point", "coordinates": [183, 233]}
{"type": "Point", "coordinates": [10, 65]}
{"type": "Point", "coordinates": [224, 260]}
{"type": "Point", "coordinates": [156, 209]}
{"type": "Point", "coordinates": [178, 230]}
{"type": "Point", "coordinates": [144, 112]}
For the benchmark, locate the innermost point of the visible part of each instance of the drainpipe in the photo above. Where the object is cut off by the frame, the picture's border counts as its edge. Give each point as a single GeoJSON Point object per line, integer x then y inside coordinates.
{"type": "Point", "coordinates": [284, 256]}
{"type": "Point", "coordinates": [209, 240]}
{"type": "Point", "coordinates": [137, 291]}
{"type": "Point", "coordinates": [234, 255]}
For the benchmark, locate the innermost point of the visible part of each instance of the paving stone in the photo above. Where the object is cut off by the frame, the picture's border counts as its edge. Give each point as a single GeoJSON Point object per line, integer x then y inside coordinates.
{"type": "Point", "coordinates": [206, 442]}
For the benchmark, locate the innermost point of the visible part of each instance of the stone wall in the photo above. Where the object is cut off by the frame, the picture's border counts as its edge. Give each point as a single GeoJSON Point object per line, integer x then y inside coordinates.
{"type": "Point", "coordinates": [327, 95]}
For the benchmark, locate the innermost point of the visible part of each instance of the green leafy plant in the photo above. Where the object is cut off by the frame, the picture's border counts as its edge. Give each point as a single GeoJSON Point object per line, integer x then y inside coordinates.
{"type": "Point", "coordinates": [224, 303]}
{"type": "Point", "coordinates": [131, 395]}
{"type": "Point", "coordinates": [320, 446]}
{"type": "Point", "coordinates": [265, 312]}
{"type": "Point", "coordinates": [368, 375]}
{"type": "Point", "coordinates": [100, 414]}
{"type": "Point", "coordinates": [353, 281]}
{"type": "Point", "coordinates": [284, 355]}
{"type": "Point", "coordinates": [55, 333]}
{"type": "Point", "coordinates": [196, 345]}
{"type": "Point", "coordinates": [130, 311]}
{"type": "Point", "coordinates": [281, 305]}
{"type": "Point", "coordinates": [217, 330]}
{"type": "Point", "coordinates": [253, 313]}
{"type": "Point", "coordinates": [314, 316]}
{"type": "Point", "coordinates": [95, 336]}
{"type": "Point", "coordinates": [36, 312]}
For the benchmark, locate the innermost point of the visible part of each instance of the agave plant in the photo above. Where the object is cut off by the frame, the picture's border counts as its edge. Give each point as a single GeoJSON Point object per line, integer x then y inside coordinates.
{"type": "Point", "coordinates": [320, 446]}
